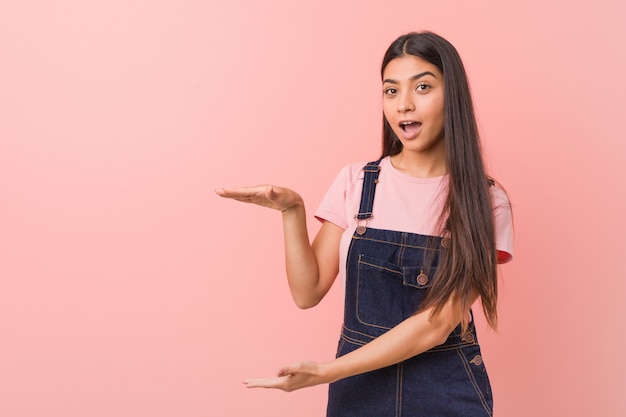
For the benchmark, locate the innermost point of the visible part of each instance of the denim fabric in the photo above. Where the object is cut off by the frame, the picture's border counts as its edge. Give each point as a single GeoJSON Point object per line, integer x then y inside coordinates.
{"type": "Point", "coordinates": [385, 283]}
{"type": "Point", "coordinates": [371, 171]}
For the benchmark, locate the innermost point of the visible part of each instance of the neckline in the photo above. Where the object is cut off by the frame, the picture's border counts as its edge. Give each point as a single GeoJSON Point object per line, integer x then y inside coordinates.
{"type": "Point", "coordinates": [386, 163]}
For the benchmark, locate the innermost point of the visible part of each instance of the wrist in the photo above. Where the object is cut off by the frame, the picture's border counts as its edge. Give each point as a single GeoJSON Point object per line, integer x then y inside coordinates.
{"type": "Point", "coordinates": [296, 207]}
{"type": "Point", "coordinates": [329, 371]}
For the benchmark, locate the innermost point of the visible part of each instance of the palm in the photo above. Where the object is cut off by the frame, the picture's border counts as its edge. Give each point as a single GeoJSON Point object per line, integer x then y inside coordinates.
{"type": "Point", "coordinates": [291, 378]}
{"type": "Point", "coordinates": [277, 198]}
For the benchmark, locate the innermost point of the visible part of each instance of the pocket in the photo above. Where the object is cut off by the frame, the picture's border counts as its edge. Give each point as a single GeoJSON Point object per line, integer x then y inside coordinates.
{"type": "Point", "coordinates": [477, 375]}
{"type": "Point", "coordinates": [388, 293]}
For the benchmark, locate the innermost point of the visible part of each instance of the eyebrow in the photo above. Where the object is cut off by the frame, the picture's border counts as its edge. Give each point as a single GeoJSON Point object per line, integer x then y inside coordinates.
{"type": "Point", "coordinates": [413, 78]}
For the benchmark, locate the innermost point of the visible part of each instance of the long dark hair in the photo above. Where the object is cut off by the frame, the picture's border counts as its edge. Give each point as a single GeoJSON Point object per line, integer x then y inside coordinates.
{"type": "Point", "coordinates": [467, 259]}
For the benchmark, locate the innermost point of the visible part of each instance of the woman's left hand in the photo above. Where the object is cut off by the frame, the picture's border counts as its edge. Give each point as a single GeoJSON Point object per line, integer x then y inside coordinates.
{"type": "Point", "coordinates": [293, 377]}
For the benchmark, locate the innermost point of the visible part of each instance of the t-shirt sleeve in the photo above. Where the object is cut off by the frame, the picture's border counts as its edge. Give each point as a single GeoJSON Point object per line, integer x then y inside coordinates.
{"type": "Point", "coordinates": [333, 206]}
{"type": "Point", "coordinates": [503, 224]}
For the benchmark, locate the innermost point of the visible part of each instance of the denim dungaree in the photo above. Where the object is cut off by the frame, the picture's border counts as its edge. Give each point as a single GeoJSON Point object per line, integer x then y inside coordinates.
{"type": "Point", "coordinates": [385, 283]}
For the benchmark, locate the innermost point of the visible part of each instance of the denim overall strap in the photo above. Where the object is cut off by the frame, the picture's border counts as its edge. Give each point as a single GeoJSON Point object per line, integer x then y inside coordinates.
{"type": "Point", "coordinates": [371, 170]}
{"type": "Point", "coordinates": [370, 179]}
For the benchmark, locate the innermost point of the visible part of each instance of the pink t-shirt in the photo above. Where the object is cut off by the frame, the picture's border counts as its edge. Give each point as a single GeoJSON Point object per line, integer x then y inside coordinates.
{"type": "Point", "coordinates": [402, 203]}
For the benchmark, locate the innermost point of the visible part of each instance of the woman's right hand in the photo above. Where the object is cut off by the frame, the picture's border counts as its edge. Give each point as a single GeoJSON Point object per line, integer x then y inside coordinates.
{"type": "Point", "coordinates": [278, 198]}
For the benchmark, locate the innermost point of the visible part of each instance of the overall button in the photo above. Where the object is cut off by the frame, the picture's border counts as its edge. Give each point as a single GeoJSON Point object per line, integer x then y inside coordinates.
{"type": "Point", "coordinates": [422, 279]}
{"type": "Point", "coordinates": [478, 360]}
{"type": "Point", "coordinates": [469, 338]}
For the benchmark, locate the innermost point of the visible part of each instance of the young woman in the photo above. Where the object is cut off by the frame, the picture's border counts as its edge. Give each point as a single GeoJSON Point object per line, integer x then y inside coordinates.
{"type": "Point", "coordinates": [416, 235]}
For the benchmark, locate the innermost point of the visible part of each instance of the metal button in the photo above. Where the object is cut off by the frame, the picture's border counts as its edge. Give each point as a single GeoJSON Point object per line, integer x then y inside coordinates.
{"type": "Point", "coordinates": [361, 230]}
{"type": "Point", "coordinates": [469, 338]}
{"type": "Point", "coordinates": [478, 360]}
{"type": "Point", "coordinates": [445, 242]}
{"type": "Point", "coordinates": [422, 278]}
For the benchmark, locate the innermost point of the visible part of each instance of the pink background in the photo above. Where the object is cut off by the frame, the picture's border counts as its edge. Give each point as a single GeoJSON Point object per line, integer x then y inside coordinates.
{"type": "Point", "coordinates": [127, 288]}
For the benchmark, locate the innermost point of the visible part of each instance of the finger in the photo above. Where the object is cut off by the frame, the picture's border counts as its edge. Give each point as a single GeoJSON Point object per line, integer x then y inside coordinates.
{"type": "Point", "coordinates": [271, 192]}
{"type": "Point", "coordinates": [232, 192]}
{"type": "Point", "coordinates": [294, 368]}
{"type": "Point", "coordinates": [288, 370]}
{"type": "Point", "coordinates": [277, 382]}
{"type": "Point", "coordinates": [246, 198]}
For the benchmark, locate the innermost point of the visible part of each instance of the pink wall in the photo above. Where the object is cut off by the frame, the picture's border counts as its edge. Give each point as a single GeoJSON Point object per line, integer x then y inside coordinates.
{"type": "Point", "coordinates": [128, 289]}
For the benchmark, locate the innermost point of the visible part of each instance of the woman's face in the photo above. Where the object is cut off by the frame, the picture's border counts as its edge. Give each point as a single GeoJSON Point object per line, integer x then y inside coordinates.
{"type": "Point", "coordinates": [413, 104]}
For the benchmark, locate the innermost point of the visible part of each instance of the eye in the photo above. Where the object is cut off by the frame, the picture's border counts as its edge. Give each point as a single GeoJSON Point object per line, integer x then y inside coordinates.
{"type": "Point", "coordinates": [390, 91]}
{"type": "Point", "coordinates": [422, 87]}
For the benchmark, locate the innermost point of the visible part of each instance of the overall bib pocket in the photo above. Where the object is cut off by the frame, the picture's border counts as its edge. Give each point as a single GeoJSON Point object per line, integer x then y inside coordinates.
{"type": "Point", "coordinates": [388, 293]}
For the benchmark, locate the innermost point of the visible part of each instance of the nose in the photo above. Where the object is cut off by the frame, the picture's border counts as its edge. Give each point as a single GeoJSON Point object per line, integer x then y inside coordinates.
{"type": "Point", "coordinates": [405, 104]}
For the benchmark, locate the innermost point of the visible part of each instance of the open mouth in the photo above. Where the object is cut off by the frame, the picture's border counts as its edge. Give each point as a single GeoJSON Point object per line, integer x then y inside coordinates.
{"type": "Point", "coordinates": [410, 126]}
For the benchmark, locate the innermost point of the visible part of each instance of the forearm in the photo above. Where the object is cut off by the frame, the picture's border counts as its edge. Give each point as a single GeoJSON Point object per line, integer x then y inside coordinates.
{"type": "Point", "coordinates": [411, 337]}
{"type": "Point", "coordinates": [301, 264]}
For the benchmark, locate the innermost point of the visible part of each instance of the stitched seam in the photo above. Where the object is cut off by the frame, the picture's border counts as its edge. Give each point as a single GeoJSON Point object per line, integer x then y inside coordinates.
{"type": "Point", "coordinates": [361, 333]}
{"type": "Point", "coordinates": [399, 391]}
{"type": "Point", "coordinates": [444, 348]}
{"type": "Point", "coordinates": [358, 316]}
{"type": "Point", "coordinates": [441, 348]}
{"type": "Point", "coordinates": [401, 251]}
{"type": "Point", "coordinates": [349, 339]}
{"type": "Point", "coordinates": [379, 267]}
{"type": "Point", "coordinates": [470, 374]}
{"type": "Point", "coordinates": [370, 203]}
{"type": "Point", "coordinates": [394, 243]}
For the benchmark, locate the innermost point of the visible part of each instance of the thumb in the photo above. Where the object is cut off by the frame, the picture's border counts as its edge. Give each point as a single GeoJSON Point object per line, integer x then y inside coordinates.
{"type": "Point", "coordinates": [272, 192]}
{"type": "Point", "coordinates": [289, 369]}
{"type": "Point", "coordinates": [268, 189]}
